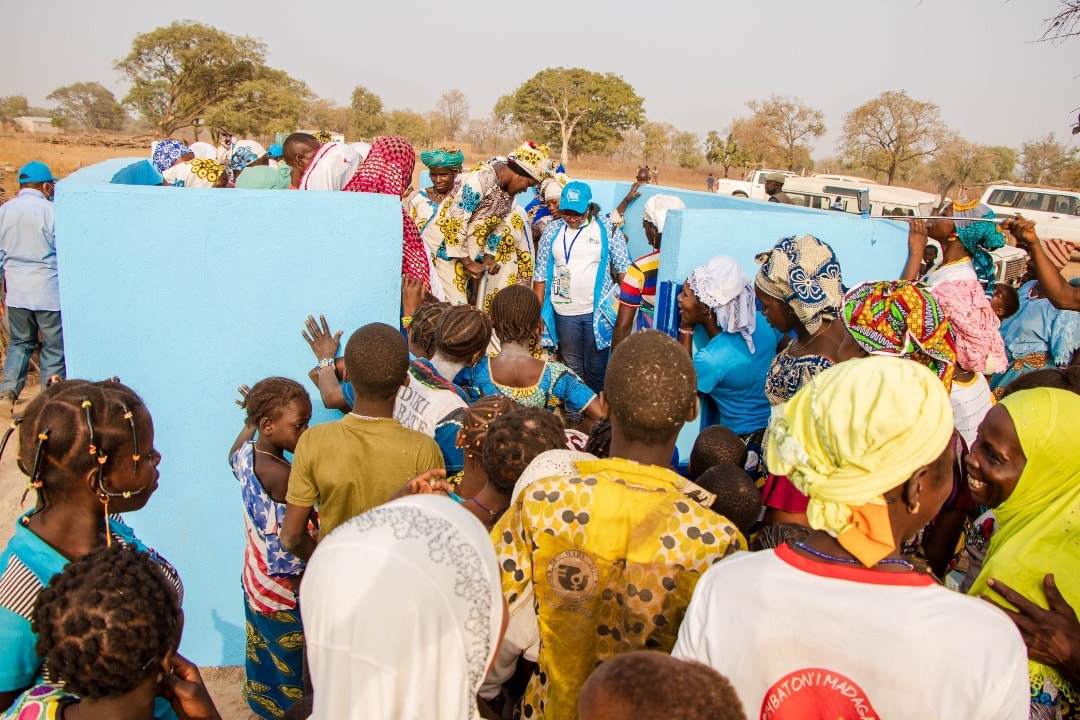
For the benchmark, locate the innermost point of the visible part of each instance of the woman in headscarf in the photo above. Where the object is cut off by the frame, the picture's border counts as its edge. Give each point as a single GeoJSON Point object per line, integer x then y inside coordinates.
{"type": "Point", "coordinates": [244, 154]}
{"type": "Point", "coordinates": [388, 170]}
{"type": "Point", "coordinates": [166, 153]}
{"type": "Point", "coordinates": [902, 319]}
{"type": "Point", "coordinates": [958, 286]}
{"type": "Point", "coordinates": [832, 622]}
{"type": "Point", "coordinates": [403, 613]}
{"type": "Point", "coordinates": [800, 290]}
{"type": "Point", "coordinates": [545, 207]}
{"type": "Point", "coordinates": [732, 366]}
{"type": "Point", "coordinates": [1026, 465]}
{"type": "Point", "coordinates": [444, 166]}
{"type": "Point", "coordinates": [457, 234]}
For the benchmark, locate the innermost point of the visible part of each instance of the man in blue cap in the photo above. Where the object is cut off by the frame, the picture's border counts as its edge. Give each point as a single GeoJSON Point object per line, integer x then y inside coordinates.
{"type": "Point", "coordinates": [28, 260]}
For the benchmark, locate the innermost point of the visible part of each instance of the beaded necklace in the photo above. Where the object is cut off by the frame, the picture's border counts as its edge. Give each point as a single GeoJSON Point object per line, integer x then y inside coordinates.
{"type": "Point", "coordinates": [851, 561]}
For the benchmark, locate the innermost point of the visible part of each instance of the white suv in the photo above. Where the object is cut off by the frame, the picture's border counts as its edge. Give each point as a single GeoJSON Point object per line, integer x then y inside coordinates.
{"type": "Point", "coordinates": [1056, 212]}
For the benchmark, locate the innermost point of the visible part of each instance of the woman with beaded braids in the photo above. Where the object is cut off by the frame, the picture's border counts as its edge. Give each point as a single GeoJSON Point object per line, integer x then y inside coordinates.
{"type": "Point", "coordinates": [108, 626]}
{"type": "Point", "coordinates": [88, 449]}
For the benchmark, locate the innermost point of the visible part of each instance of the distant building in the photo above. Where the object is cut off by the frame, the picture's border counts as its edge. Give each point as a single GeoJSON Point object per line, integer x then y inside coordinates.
{"type": "Point", "coordinates": [37, 125]}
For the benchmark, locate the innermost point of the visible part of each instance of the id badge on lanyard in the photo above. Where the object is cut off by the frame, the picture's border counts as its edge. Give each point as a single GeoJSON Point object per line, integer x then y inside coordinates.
{"type": "Point", "coordinates": [560, 284]}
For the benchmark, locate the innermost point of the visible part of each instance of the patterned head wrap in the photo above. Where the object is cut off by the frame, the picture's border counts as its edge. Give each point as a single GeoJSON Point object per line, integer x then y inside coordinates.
{"type": "Point", "coordinates": [388, 170]}
{"type": "Point", "coordinates": [533, 160]}
{"type": "Point", "coordinates": [726, 290]}
{"type": "Point", "coordinates": [975, 327]}
{"type": "Point", "coordinates": [195, 174]}
{"type": "Point", "coordinates": [551, 189]}
{"type": "Point", "coordinates": [656, 209]}
{"type": "Point", "coordinates": [322, 136]}
{"type": "Point", "coordinates": [902, 319]}
{"type": "Point", "coordinates": [804, 273]}
{"type": "Point", "coordinates": [443, 157]}
{"type": "Point", "coordinates": [244, 152]}
{"type": "Point", "coordinates": [478, 417]}
{"type": "Point", "coordinates": [905, 422]}
{"type": "Point", "coordinates": [978, 238]}
{"type": "Point", "coordinates": [167, 152]}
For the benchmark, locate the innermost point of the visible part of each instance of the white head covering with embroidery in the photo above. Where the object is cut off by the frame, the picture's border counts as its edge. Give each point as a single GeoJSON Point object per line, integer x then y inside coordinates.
{"type": "Point", "coordinates": [726, 290]}
{"type": "Point", "coordinates": [402, 613]}
{"type": "Point", "coordinates": [332, 167]}
{"type": "Point", "coordinates": [656, 209]}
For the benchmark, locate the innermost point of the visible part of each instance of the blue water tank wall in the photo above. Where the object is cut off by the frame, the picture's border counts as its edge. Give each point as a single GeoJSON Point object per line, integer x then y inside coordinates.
{"type": "Point", "coordinates": [186, 294]}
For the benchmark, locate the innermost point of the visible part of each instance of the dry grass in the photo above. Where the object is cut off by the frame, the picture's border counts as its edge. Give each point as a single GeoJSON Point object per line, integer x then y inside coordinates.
{"type": "Point", "coordinates": [17, 149]}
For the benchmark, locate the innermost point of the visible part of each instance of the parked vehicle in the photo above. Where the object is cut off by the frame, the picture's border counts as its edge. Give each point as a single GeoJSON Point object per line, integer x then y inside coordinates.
{"type": "Point", "coordinates": [753, 187]}
{"type": "Point", "coordinates": [885, 200]}
{"type": "Point", "coordinates": [1056, 212]}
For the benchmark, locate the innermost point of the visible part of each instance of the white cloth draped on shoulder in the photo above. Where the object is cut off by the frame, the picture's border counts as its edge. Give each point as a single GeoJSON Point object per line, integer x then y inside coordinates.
{"type": "Point", "coordinates": [402, 613]}
{"type": "Point", "coordinates": [334, 165]}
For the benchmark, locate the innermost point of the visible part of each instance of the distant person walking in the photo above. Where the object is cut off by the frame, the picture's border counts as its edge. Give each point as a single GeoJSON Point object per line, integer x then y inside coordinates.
{"type": "Point", "coordinates": [655, 174]}
{"type": "Point", "coordinates": [710, 183]}
{"type": "Point", "coordinates": [28, 261]}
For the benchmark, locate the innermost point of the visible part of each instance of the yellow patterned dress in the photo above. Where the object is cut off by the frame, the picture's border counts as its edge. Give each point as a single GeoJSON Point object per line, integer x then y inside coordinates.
{"type": "Point", "coordinates": [460, 228]}
{"type": "Point", "coordinates": [606, 560]}
{"type": "Point", "coordinates": [511, 246]}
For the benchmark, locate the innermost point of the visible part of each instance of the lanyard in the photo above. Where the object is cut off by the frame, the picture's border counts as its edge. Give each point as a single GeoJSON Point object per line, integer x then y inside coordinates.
{"type": "Point", "coordinates": [566, 253]}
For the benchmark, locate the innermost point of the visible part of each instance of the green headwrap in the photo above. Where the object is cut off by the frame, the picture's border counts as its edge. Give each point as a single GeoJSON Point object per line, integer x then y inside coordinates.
{"type": "Point", "coordinates": [443, 157]}
{"type": "Point", "coordinates": [262, 177]}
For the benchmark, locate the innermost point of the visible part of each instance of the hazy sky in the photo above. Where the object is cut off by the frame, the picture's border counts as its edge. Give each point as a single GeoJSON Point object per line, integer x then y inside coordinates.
{"type": "Point", "coordinates": [695, 63]}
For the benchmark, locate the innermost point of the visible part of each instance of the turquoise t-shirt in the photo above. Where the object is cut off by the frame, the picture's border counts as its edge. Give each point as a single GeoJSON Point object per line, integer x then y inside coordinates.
{"type": "Point", "coordinates": [735, 379]}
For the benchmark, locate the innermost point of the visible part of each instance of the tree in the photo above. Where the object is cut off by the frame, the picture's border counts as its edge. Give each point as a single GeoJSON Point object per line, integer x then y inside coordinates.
{"type": "Point", "coordinates": [785, 123]}
{"type": "Point", "coordinates": [13, 106]}
{"type": "Point", "coordinates": [367, 117]}
{"type": "Point", "coordinates": [631, 147]}
{"type": "Point", "coordinates": [270, 102]}
{"type": "Point", "coordinates": [1065, 24]}
{"type": "Point", "coordinates": [451, 113]}
{"type": "Point", "coordinates": [760, 147]}
{"type": "Point", "coordinates": [410, 125]}
{"type": "Point", "coordinates": [323, 114]}
{"type": "Point", "coordinates": [724, 152]}
{"type": "Point", "coordinates": [89, 104]}
{"type": "Point", "coordinates": [179, 72]}
{"type": "Point", "coordinates": [1043, 162]}
{"type": "Point", "coordinates": [556, 103]}
{"type": "Point", "coordinates": [686, 147]}
{"type": "Point", "coordinates": [958, 162]}
{"type": "Point", "coordinates": [891, 132]}
{"type": "Point", "coordinates": [657, 144]}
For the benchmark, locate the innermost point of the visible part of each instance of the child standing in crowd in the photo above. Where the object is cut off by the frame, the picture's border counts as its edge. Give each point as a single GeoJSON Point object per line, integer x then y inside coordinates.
{"type": "Point", "coordinates": [108, 626]}
{"type": "Point", "coordinates": [88, 449]}
{"type": "Point", "coordinates": [278, 412]}
{"type": "Point", "coordinates": [358, 462]}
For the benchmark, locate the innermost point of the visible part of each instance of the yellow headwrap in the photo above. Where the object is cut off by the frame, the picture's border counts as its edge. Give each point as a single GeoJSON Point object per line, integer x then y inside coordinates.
{"type": "Point", "coordinates": [854, 432]}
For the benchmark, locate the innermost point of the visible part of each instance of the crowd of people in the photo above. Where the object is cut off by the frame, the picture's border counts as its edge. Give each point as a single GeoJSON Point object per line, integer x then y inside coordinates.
{"type": "Point", "coordinates": [885, 485]}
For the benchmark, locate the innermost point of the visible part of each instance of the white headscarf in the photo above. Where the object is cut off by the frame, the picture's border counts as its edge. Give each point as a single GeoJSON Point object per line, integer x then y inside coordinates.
{"type": "Point", "coordinates": [656, 209]}
{"type": "Point", "coordinates": [203, 150]}
{"type": "Point", "coordinates": [244, 152]}
{"type": "Point", "coordinates": [402, 613]}
{"type": "Point", "coordinates": [551, 189]}
{"type": "Point", "coordinates": [726, 290]}
{"type": "Point", "coordinates": [334, 165]}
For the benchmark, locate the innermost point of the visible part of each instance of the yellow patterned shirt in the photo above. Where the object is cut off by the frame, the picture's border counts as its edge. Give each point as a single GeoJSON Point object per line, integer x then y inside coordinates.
{"type": "Point", "coordinates": [608, 559]}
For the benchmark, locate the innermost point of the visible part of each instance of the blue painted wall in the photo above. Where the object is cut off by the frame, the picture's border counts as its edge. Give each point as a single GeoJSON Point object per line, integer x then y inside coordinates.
{"type": "Point", "coordinates": [186, 294]}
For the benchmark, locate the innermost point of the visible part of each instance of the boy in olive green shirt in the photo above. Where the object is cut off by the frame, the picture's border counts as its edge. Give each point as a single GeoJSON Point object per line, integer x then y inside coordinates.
{"type": "Point", "coordinates": [349, 466]}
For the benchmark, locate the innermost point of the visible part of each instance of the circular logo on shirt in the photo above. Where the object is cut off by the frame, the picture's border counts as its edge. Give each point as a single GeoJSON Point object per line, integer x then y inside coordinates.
{"type": "Point", "coordinates": [816, 692]}
{"type": "Point", "coordinates": [573, 577]}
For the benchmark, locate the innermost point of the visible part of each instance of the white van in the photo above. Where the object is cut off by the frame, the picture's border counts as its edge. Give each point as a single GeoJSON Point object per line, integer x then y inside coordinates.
{"type": "Point", "coordinates": [885, 200]}
{"type": "Point", "coordinates": [1056, 212]}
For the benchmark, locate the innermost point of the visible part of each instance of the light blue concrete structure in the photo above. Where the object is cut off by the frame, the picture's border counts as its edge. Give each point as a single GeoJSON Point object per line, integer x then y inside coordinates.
{"type": "Point", "coordinates": [186, 294]}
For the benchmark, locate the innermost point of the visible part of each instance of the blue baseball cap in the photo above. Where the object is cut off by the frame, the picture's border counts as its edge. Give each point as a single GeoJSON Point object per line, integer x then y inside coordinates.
{"type": "Point", "coordinates": [35, 172]}
{"type": "Point", "coordinates": [275, 151]}
{"type": "Point", "coordinates": [575, 197]}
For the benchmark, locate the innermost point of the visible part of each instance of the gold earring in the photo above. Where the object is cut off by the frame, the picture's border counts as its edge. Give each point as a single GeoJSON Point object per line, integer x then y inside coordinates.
{"type": "Point", "coordinates": [913, 509]}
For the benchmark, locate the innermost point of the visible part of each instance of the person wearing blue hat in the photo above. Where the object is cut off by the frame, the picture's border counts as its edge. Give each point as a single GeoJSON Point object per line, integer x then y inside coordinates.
{"type": "Point", "coordinates": [28, 261]}
{"type": "Point", "coordinates": [579, 259]}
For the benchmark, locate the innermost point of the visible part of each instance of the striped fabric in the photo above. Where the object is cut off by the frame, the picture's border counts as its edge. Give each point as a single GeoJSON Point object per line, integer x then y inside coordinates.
{"type": "Point", "coordinates": [1059, 251]}
{"type": "Point", "coordinates": [19, 588]}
